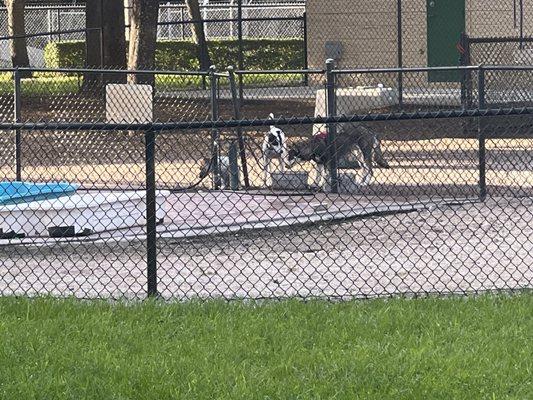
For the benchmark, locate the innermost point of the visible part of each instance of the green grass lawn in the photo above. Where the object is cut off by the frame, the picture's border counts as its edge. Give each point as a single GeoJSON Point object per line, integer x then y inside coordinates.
{"type": "Point", "coordinates": [457, 348]}
{"type": "Point", "coordinates": [57, 84]}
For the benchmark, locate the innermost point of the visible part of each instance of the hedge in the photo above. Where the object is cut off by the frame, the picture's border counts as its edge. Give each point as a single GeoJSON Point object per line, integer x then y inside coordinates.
{"type": "Point", "coordinates": [182, 55]}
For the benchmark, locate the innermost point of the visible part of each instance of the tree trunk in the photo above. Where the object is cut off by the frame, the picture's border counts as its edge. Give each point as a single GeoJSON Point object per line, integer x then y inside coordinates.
{"type": "Point", "coordinates": [106, 46]}
{"type": "Point", "coordinates": [198, 34]}
{"type": "Point", "coordinates": [114, 38]}
{"type": "Point", "coordinates": [93, 42]}
{"type": "Point", "coordinates": [143, 38]}
{"type": "Point", "coordinates": [15, 23]}
{"type": "Point", "coordinates": [114, 31]}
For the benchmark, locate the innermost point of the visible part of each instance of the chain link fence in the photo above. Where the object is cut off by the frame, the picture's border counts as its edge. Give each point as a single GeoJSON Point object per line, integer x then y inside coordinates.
{"type": "Point", "coordinates": [115, 190]}
{"type": "Point", "coordinates": [279, 21]}
{"type": "Point", "coordinates": [405, 33]}
{"type": "Point", "coordinates": [364, 34]}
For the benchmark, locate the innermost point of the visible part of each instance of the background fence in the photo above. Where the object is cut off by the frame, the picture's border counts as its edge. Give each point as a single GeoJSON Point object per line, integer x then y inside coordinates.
{"type": "Point", "coordinates": [163, 207]}
{"type": "Point", "coordinates": [51, 24]}
{"type": "Point", "coordinates": [367, 34]}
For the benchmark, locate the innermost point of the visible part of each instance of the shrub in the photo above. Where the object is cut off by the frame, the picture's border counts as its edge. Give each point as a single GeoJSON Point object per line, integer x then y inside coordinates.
{"type": "Point", "coordinates": [182, 54]}
{"type": "Point", "coordinates": [69, 54]}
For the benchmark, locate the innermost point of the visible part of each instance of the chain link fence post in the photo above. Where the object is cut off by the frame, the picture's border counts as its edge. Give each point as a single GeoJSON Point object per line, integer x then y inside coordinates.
{"type": "Point", "coordinates": [481, 136]}
{"type": "Point", "coordinates": [331, 127]}
{"type": "Point", "coordinates": [215, 134]}
{"type": "Point", "coordinates": [17, 118]}
{"type": "Point", "coordinates": [400, 52]}
{"type": "Point", "coordinates": [237, 116]}
{"type": "Point", "coordinates": [151, 218]}
{"type": "Point", "coordinates": [241, 49]}
{"type": "Point", "coordinates": [306, 56]}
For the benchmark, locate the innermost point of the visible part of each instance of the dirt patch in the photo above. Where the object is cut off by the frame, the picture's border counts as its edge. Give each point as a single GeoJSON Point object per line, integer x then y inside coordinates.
{"type": "Point", "coordinates": [459, 249]}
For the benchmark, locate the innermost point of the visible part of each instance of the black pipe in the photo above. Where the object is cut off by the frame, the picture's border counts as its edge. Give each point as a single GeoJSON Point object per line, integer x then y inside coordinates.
{"type": "Point", "coordinates": [400, 54]}
{"type": "Point", "coordinates": [306, 61]}
{"type": "Point", "coordinates": [59, 24]}
{"type": "Point", "coordinates": [252, 19]}
{"type": "Point", "coordinates": [501, 40]}
{"type": "Point", "coordinates": [241, 49]}
{"type": "Point", "coordinates": [102, 38]}
{"type": "Point", "coordinates": [521, 24]}
{"type": "Point", "coordinates": [237, 116]}
{"type": "Point", "coordinates": [215, 139]}
{"type": "Point", "coordinates": [17, 118]}
{"type": "Point", "coordinates": [29, 35]}
{"type": "Point", "coordinates": [332, 127]}
{"type": "Point", "coordinates": [169, 127]}
{"type": "Point", "coordinates": [481, 137]}
{"type": "Point", "coordinates": [151, 215]}
{"type": "Point", "coordinates": [107, 71]}
{"type": "Point", "coordinates": [514, 14]}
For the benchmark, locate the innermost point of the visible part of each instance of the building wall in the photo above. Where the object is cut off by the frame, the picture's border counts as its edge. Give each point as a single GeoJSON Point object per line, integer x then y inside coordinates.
{"type": "Point", "coordinates": [367, 29]}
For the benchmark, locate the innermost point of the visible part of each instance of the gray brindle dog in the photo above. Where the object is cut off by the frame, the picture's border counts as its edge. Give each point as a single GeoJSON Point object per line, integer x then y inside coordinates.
{"type": "Point", "coordinates": [350, 137]}
{"type": "Point", "coordinates": [223, 164]}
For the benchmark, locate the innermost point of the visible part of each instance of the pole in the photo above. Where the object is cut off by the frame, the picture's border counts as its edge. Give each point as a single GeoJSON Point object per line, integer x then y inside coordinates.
{"type": "Point", "coordinates": [17, 118]}
{"type": "Point", "coordinates": [241, 48]}
{"type": "Point", "coordinates": [59, 23]}
{"type": "Point", "coordinates": [51, 26]}
{"type": "Point", "coordinates": [102, 38]}
{"type": "Point", "coordinates": [464, 77]}
{"type": "Point", "coordinates": [468, 58]}
{"type": "Point", "coordinates": [215, 139]}
{"type": "Point", "coordinates": [306, 63]}
{"type": "Point", "coordinates": [521, 24]}
{"type": "Point", "coordinates": [400, 54]}
{"type": "Point", "coordinates": [151, 219]}
{"type": "Point", "coordinates": [481, 136]}
{"type": "Point", "coordinates": [182, 14]}
{"type": "Point", "coordinates": [233, 166]}
{"type": "Point", "coordinates": [332, 128]}
{"type": "Point", "coordinates": [237, 116]}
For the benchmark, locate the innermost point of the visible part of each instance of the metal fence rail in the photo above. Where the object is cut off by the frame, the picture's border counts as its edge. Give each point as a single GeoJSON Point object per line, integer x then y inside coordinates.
{"type": "Point", "coordinates": [177, 199]}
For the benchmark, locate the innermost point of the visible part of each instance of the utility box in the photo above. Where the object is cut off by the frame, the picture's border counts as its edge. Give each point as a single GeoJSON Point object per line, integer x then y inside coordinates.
{"type": "Point", "coordinates": [333, 50]}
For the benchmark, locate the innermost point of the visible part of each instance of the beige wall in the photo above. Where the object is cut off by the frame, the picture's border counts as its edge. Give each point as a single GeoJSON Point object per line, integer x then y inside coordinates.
{"type": "Point", "coordinates": [367, 29]}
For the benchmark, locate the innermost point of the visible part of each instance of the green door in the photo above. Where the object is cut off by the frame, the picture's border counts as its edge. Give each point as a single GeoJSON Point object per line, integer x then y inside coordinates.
{"type": "Point", "coordinates": [445, 23]}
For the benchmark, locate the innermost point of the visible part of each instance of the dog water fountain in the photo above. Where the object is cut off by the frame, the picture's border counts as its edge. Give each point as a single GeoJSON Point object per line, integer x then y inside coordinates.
{"type": "Point", "coordinates": [290, 180]}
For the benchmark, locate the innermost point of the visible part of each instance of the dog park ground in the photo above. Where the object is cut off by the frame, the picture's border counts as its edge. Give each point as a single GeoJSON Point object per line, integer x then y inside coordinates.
{"type": "Point", "coordinates": [447, 249]}
{"type": "Point", "coordinates": [418, 227]}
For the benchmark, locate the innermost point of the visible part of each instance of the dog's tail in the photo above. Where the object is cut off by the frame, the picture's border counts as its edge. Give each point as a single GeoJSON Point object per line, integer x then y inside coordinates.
{"type": "Point", "coordinates": [271, 117]}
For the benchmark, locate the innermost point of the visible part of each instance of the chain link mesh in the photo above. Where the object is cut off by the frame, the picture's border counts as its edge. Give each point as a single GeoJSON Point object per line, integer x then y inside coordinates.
{"type": "Point", "coordinates": [105, 194]}
{"type": "Point", "coordinates": [56, 19]}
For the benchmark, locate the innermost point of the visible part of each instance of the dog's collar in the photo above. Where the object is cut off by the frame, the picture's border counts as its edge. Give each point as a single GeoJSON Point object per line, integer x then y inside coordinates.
{"type": "Point", "coordinates": [322, 135]}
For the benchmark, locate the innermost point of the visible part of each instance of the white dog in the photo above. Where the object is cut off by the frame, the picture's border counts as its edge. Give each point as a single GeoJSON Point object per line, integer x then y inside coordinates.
{"type": "Point", "coordinates": [274, 147]}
